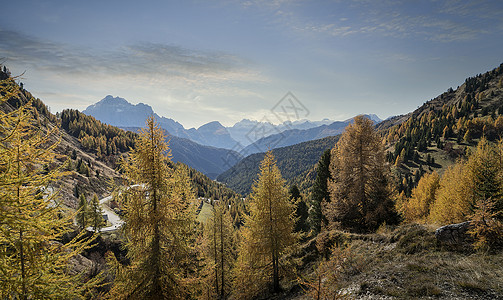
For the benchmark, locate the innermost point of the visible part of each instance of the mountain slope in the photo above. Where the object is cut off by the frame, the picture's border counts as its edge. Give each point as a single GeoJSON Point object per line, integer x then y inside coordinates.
{"type": "Point", "coordinates": [293, 161]}
{"type": "Point", "coordinates": [295, 136]}
{"type": "Point", "coordinates": [445, 128]}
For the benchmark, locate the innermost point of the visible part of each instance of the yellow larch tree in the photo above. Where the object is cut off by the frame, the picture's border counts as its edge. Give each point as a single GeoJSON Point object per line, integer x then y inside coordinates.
{"type": "Point", "coordinates": [451, 203]}
{"type": "Point", "coordinates": [33, 263]}
{"type": "Point", "coordinates": [361, 197]}
{"type": "Point", "coordinates": [417, 208]}
{"type": "Point", "coordinates": [268, 234]}
{"type": "Point", "coordinates": [159, 223]}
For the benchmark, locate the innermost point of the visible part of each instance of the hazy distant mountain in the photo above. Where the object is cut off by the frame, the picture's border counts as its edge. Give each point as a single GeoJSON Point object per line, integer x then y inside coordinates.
{"type": "Point", "coordinates": [295, 136]}
{"type": "Point", "coordinates": [212, 134]}
{"type": "Point", "coordinates": [247, 131]}
{"type": "Point", "coordinates": [119, 112]}
{"type": "Point", "coordinates": [254, 135]}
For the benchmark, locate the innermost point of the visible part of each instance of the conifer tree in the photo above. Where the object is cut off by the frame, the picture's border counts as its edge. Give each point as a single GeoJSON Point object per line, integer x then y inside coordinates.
{"type": "Point", "coordinates": [466, 183]}
{"type": "Point", "coordinates": [159, 223]}
{"type": "Point", "coordinates": [320, 192]}
{"type": "Point", "coordinates": [361, 195]}
{"type": "Point", "coordinates": [268, 234]}
{"type": "Point", "coordinates": [301, 210]}
{"type": "Point", "coordinates": [33, 265]}
{"type": "Point", "coordinates": [96, 214]}
{"type": "Point", "coordinates": [219, 251]}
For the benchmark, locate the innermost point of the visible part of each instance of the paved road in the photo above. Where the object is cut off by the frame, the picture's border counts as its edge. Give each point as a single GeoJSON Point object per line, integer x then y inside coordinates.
{"type": "Point", "coordinates": [113, 218]}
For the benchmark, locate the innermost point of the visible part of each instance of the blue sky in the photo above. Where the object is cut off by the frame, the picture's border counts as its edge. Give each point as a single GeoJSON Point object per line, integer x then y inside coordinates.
{"type": "Point", "coordinates": [199, 61]}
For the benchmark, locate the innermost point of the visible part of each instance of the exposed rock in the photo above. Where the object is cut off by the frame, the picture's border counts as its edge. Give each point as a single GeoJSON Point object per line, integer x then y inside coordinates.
{"type": "Point", "coordinates": [454, 234]}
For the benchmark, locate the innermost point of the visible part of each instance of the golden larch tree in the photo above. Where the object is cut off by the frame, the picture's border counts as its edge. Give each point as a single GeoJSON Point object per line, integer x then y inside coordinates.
{"type": "Point", "coordinates": [268, 233]}
{"type": "Point", "coordinates": [417, 208]}
{"type": "Point", "coordinates": [33, 263]}
{"type": "Point", "coordinates": [360, 190]}
{"type": "Point", "coordinates": [466, 183]}
{"type": "Point", "coordinates": [159, 221]}
{"type": "Point", "coordinates": [451, 203]}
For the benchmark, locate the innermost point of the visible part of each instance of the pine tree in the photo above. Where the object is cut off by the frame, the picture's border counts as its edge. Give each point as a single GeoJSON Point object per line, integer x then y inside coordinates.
{"type": "Point", "coordinates": [301, 210]}
{"type": "Point", "coordinates": [96, 214]}
{"type": "Point", "coordinates": [320, 192]}
{"type": "Point", "coordinates": [361, 195]}
{"type": "Point", "coordinates": [219, 251]}
{"type": "Point", "coordinates": [268, 233]}
{"type": "Point", "coordinates": [33, 265]}
{"type": "Point", "coordinates": [159, 223]}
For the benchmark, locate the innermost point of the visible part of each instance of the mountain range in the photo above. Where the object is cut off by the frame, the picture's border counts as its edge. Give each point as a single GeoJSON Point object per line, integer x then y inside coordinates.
{"type": "Point", "coordinates": [246, 136]}
{"type": "Point", "coordinates": [296, 136]}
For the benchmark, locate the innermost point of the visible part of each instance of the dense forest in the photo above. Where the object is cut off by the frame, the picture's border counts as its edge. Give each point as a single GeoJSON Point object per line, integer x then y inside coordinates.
{"type": "Point", "coordinates": [295, 163]}
{"type": "Point", "coordinates": [346, 216]}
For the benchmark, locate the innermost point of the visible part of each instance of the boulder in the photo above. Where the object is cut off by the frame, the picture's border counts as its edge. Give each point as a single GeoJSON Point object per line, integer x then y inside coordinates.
{"type": "Point", "coordinates": [454, 234]}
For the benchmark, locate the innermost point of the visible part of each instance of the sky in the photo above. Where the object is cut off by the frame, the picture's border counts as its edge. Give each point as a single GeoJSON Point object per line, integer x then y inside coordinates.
{"type": "Point", "coordinates": [200, 61]}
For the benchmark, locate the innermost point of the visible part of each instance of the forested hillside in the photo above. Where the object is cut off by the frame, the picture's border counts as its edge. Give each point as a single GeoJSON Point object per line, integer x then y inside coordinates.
{"type": "Point", "coordinates": [295, 163]}
{"type": "Point", "coordinates": [444, 129]}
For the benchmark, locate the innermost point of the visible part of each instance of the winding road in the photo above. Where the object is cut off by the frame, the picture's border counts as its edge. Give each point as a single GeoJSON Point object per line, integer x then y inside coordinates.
{"type": "Point", "coordinates": [112, 216]}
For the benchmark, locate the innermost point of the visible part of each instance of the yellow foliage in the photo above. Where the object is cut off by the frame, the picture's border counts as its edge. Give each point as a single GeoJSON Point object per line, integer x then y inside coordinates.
{"type": "Point", "coordinates": [417, 207]}
{"type": "Point", "coordinates": [453, 201]}
{"type": "Point", "coordinates": [33, 264]}
{"type": "Point", "coordinates": [268, 234]}
{"type": "Point", "coordinates": [159, 224]}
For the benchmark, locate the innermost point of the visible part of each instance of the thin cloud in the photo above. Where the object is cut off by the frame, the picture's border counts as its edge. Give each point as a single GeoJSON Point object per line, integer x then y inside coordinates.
{"type": "Point", "coordinates": [446, 21]}
{"type": "Point", "coordinates": [145, 59]}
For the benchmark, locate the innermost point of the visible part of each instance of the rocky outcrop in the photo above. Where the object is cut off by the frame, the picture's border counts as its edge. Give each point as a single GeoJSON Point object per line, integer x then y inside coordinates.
{"type": "Point", "coordinates": [454, 234]}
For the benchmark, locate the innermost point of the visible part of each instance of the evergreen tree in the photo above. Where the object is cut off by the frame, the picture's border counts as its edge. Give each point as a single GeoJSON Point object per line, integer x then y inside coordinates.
{"type": "Point", "coordinates": [320, 192]}
{"type": "Point", "coordinates": [96, 214]}
{"type": "Point", "coordinates": [268, 234]}
{"type": "Point", "coordinates": [158, 226]}
{"type": "Point", "coordinates": [219, 251]}
{"type": "Point", "coordinates": [301, 210]}
{"type": "Point", "coordinates": [361, 195]}
{"type": "Point", "coordinates": [33, 265]}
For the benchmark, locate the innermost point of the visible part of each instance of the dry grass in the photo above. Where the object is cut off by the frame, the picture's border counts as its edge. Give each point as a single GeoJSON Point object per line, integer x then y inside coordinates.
{"type": "Point", "coordinates": [407, 263]}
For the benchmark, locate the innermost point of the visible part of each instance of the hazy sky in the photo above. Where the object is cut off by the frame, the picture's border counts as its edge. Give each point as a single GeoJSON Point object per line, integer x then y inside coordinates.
{"type": "Point", "coordinates": [199, 61]}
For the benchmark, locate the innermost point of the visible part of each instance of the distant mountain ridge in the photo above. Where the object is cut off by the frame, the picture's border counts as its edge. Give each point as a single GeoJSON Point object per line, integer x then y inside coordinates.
{"type": "Point", "coordinates": [246, 136]}
{"type": "Point", "coordinates": [296, 136]}
{"type": "Point", "coordinates": [247, 132]}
